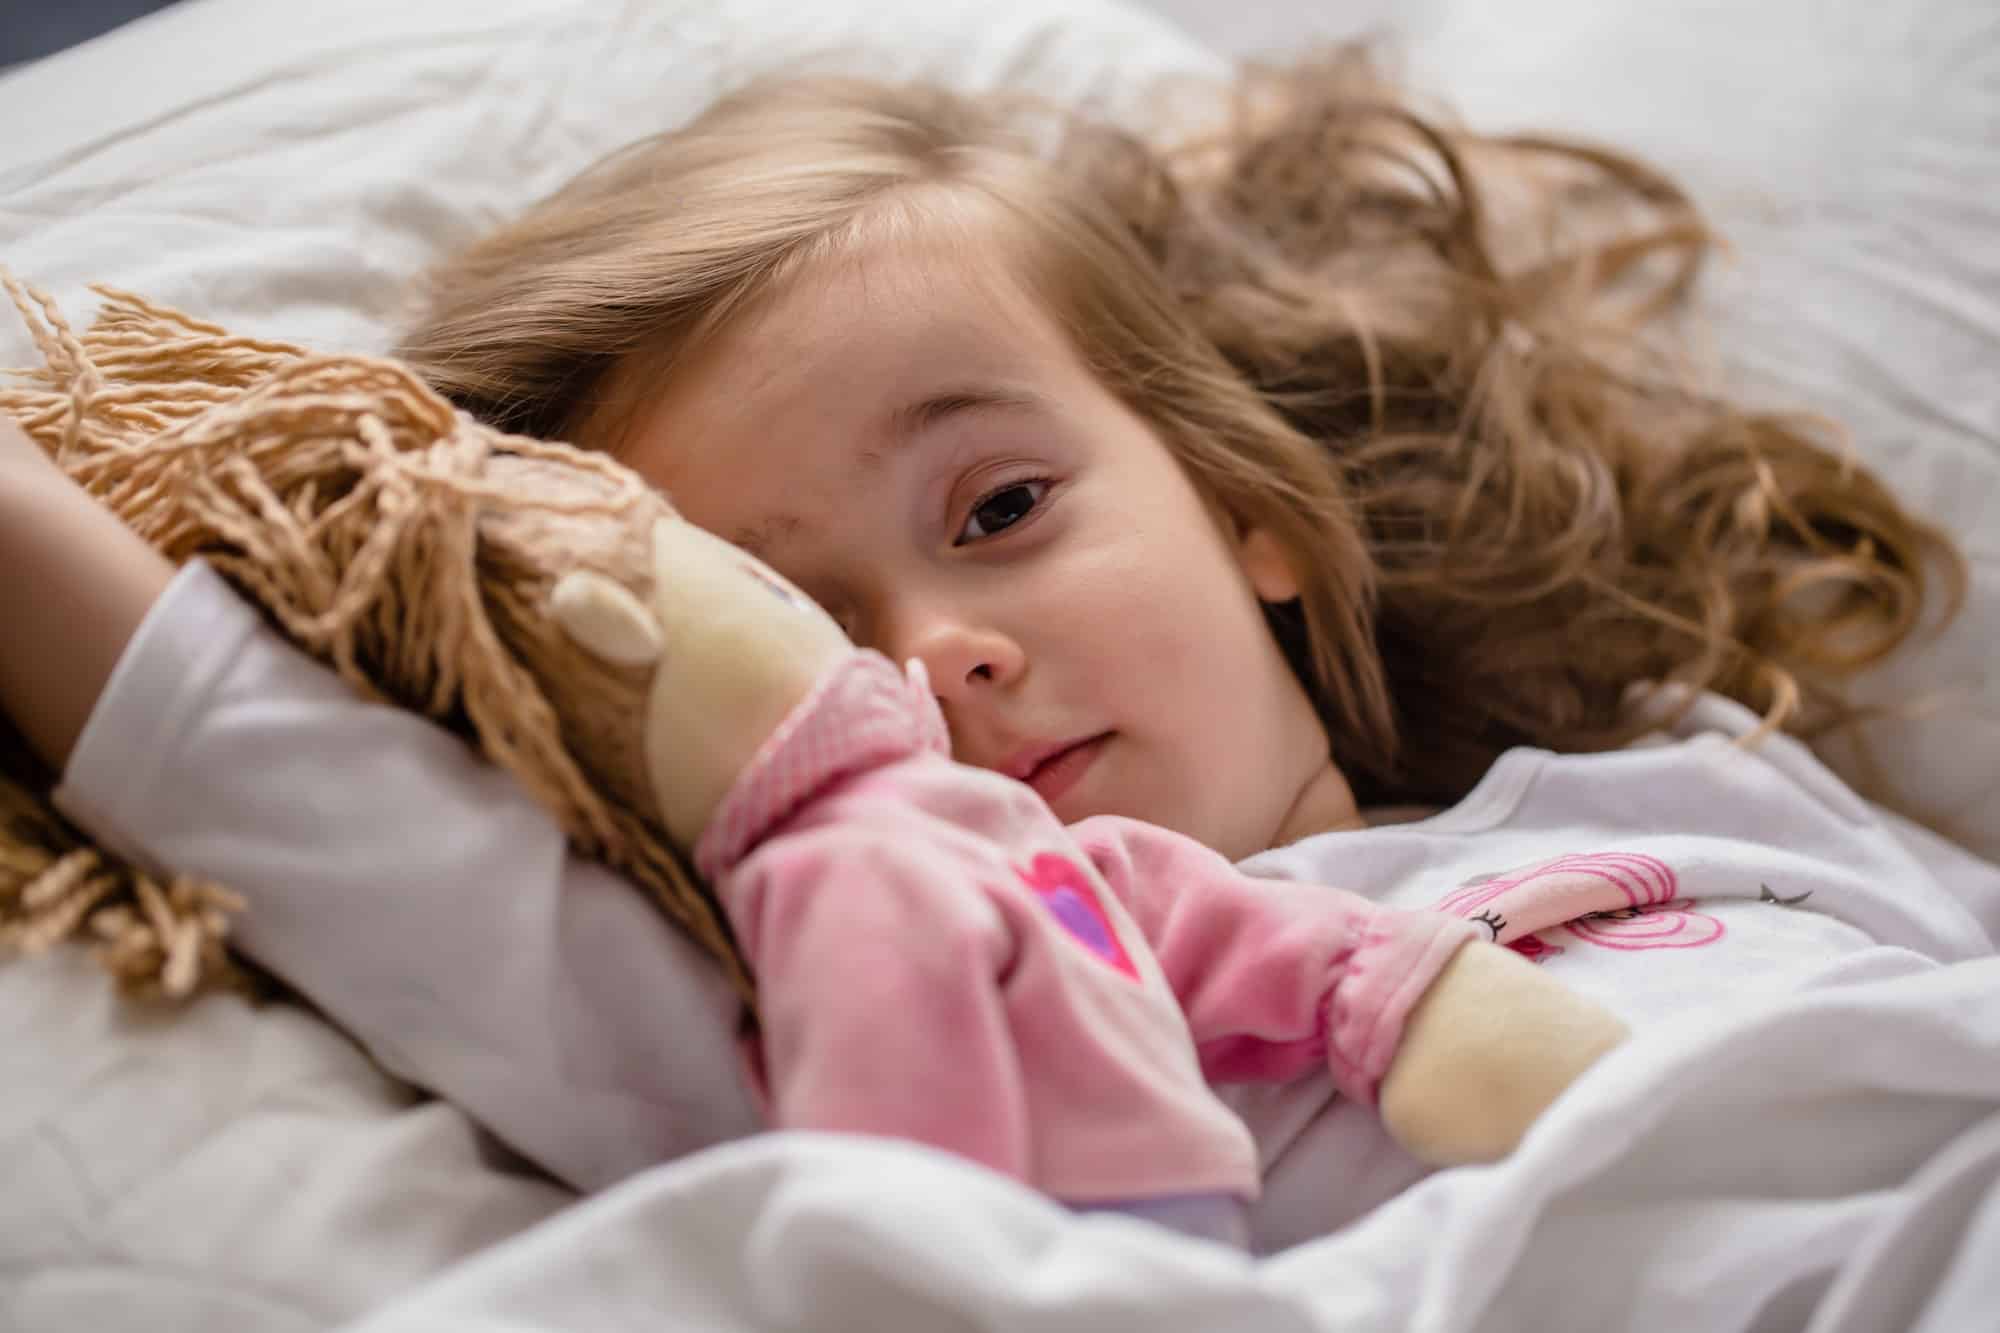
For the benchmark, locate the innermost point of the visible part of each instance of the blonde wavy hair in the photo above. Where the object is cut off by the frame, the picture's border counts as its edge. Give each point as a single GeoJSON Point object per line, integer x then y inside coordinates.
{"type": "Point", "coordinates": [1437, 365]}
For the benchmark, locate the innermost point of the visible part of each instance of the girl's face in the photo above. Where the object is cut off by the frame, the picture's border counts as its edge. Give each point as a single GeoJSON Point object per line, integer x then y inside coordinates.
{"type": "Point", "coordinates": [914, 442]}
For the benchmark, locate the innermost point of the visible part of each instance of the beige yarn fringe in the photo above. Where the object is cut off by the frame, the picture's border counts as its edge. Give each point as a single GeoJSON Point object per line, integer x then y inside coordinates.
{"type": "Point", "coordinates": [159, 940]}
{"type": "Point", "coordinates": [385, 533]}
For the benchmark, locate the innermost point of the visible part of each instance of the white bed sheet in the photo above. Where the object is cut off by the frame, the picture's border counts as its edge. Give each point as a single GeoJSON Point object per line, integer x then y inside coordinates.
{"type": "Point", "coordinates": [1835, 1156]}
{"type": "Point", "coordinates": [228, 1168]}
{"type": "Point", "coordinates": [285, 169]}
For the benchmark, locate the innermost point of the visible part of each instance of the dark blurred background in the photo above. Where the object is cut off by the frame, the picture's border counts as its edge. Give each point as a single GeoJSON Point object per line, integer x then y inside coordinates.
{"type": "Point", "coordinates": [30, 29]}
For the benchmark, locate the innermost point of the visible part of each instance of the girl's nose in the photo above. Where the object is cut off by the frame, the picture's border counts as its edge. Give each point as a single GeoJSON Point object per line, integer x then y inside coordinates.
{"type": "Point", "coordinates": [959, 654]}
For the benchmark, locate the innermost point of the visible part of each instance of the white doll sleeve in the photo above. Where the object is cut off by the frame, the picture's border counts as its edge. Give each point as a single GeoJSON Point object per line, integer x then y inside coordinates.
{"type": "Point", "coordinates": [412, 891]}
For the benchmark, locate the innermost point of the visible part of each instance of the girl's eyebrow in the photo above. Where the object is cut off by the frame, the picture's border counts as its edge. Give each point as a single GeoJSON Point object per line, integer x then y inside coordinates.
{"type": "Point", "coordinates": [909, 422]}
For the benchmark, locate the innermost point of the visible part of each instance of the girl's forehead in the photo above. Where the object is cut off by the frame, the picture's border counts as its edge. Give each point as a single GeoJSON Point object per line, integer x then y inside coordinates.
{"type": "Point", "coordinates": [907, 290]}
{"type": "Point", "coordinates": [842, 348]}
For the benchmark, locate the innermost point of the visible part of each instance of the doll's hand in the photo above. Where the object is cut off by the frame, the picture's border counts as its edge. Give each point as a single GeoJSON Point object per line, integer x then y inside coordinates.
{"type": "Point", "coordinates": [734, 648]}
{"type": "Point", "coordinates": [1492, 1043]}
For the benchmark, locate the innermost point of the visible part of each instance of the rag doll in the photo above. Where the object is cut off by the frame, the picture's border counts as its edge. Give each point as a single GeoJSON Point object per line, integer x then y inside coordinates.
{"type": "Point", "coordinates": [926, 951]}
{"type": "Point", "coordinates": [939, 958]}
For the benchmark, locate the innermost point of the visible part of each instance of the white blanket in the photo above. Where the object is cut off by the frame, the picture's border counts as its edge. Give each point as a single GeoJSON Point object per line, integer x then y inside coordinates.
{"type": "Point", "coordinates": [1836, 1155]}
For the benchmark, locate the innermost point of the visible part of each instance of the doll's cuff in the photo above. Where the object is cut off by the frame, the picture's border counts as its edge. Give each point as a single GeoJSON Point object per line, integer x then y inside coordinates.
{"type": "Point", "coordinates": [861, 715]}
{"type": "Point", "coordinates": [1399, 955]}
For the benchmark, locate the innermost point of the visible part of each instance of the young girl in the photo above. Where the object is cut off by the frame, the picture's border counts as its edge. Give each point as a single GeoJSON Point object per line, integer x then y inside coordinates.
{"type": "Point", "coordinates": [1234, 494]}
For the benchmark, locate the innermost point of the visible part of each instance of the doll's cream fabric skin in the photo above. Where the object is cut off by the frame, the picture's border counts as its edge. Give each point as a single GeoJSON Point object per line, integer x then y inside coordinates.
{"type": "Point", "coordinates": [735, 648]}
{"type": "Point", "coordinates": [1493, 1043]}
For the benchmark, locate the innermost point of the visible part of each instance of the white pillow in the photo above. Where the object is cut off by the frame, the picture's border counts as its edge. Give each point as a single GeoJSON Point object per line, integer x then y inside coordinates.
{"type": "Point", "coordinates": [286, 169]}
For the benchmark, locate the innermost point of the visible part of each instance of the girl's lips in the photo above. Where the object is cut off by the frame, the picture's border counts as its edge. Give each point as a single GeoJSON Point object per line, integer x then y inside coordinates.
{"type": "Point", "coordinates": [1063, 770]}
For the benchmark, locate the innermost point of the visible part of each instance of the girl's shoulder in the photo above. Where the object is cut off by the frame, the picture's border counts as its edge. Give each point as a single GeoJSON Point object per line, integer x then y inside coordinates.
{"type": "Point", "coordinates": [1709, 764]}
{"type": "Point", "coordinates": [1705, 771]}
{"type": "Point", "coordinates": [1705, 810]}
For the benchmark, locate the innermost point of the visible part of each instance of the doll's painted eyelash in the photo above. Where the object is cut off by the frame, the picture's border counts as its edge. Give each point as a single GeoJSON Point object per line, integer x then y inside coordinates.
{"type": "Point", "coordinates": [1493, 921]}
{"type": "Point", "coordinates": [775, 587]}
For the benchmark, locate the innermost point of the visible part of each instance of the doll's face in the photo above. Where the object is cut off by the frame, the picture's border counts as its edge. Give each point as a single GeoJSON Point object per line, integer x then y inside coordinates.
{"type": "Point", "coordinates": [914, 443]}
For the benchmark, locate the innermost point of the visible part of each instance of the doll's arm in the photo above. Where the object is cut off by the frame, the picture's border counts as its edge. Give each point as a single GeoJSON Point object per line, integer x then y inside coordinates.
{"type": "Point", "coordinates": [879, 985]}
{"type": "Point", "coordinates": [1460, 1042]}
{"type": "Point", "coordinates": [1276, 978]}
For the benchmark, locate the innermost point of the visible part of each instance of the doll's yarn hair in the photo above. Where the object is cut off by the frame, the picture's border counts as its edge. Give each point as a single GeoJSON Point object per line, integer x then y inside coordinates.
{"type": "Point", "coordinates": [391, 536]}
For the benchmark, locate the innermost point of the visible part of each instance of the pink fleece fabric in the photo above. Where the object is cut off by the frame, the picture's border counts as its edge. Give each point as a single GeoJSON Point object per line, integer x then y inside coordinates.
{"type": "Point", "coordinates": [939, 958]}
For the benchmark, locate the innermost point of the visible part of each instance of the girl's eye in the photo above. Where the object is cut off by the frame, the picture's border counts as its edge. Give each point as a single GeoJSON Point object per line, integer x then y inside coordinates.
{"type": "Point", "coordinates": [1002, 509]}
